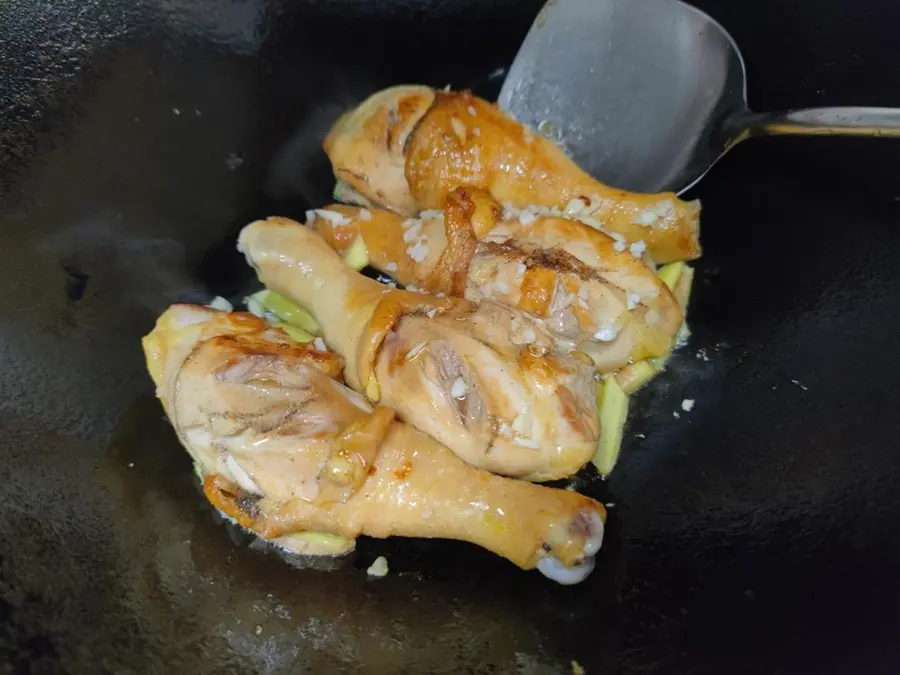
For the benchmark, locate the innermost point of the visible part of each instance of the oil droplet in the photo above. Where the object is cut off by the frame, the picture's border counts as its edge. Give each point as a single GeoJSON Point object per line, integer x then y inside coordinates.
{"type": "Point", "coordinates": [547, 128]}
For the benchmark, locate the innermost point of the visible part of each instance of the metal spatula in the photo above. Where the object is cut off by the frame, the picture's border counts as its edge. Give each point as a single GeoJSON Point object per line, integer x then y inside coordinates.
{"type": "Point", "coordinates": [648, 94]}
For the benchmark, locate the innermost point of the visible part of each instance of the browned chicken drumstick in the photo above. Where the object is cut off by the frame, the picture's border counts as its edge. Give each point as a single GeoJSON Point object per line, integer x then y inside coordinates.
{"type": "Point", "coordinates": [406, 148]}
{"type": "Point", "coordinates": [591, 293]}
{"type": "Point", "coordinates": [458, 371]}
{"type": "Point", "coordinates": [286, 450]}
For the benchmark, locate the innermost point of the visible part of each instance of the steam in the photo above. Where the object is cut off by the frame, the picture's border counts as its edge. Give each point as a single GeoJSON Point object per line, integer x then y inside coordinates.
{"type": "Point", "coordinates": [300, 168]}
{"type": "Point", "coordinates": [150, 272]}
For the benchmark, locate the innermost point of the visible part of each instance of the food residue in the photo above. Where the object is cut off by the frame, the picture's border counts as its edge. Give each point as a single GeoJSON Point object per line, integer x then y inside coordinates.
{"type": "Point", "coordinates": [379, 568]}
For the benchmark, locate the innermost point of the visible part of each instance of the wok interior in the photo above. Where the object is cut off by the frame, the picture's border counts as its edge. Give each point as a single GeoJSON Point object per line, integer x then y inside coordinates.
{"type": "Point", "coordinates": [790, 477]}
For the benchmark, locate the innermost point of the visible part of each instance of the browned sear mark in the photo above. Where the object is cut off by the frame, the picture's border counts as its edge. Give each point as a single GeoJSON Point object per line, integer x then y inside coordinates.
{"type": "Point", "coordinates": [537, 291]}
{"type": "Point", "coordinates": [403, 471]}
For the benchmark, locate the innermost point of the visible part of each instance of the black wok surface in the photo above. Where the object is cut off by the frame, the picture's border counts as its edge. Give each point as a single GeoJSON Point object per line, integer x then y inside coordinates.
{"type": "Point", "coordinates": [755, 534]}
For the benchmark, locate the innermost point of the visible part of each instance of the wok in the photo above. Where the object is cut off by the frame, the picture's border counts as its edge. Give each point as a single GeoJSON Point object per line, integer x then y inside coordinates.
{"type": "Point", "coordinates": [756, 533]}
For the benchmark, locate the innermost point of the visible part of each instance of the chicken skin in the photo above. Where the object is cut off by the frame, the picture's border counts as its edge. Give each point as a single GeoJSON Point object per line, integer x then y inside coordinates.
{"type": "Point", "coordinates": [286, 450]}
{"type": "Point", "coordinates": [587, 290]}
{"type": "Point", "coordinates": [460, 372]}
{"type": "Point", "coordinates": [406, 148]}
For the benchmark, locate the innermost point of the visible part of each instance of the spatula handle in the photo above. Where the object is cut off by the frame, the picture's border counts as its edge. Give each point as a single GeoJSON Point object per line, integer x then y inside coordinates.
{"type": "Point", "coordinates": [849, 121]}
